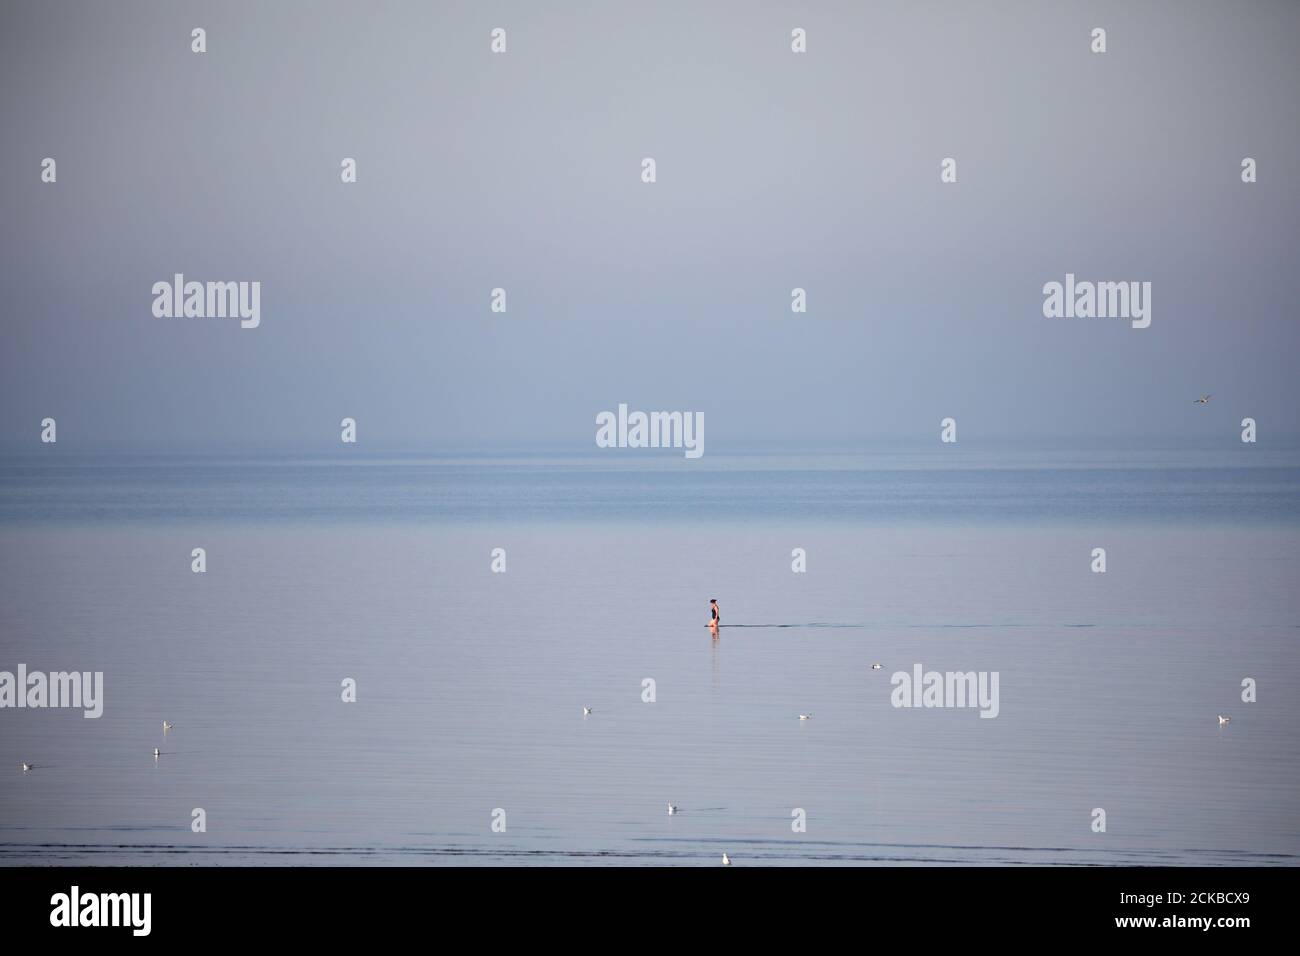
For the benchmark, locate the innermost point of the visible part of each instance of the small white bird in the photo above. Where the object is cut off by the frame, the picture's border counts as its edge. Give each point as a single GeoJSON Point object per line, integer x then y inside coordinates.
{"type": "Point", "coordinates": [726, 860]}
{"type": "Point", "coordinates": [168, 725]}
{"type": "Point", "coordinates": [28, 767]}
{"type": "Point", "coordinates": [1203, 400]}
{"type": "Point", "coordinates": [586, 711]}
{"type": "Point", "coordinates": [875, 667]}
{"type": "Point", "coordinates": [1223, 720]}
{"type": "Point", "coordinates": [672, 808]}
{"type": "Point", "coordinates": [805, 716]}
{"type": "Point", "coordinates": [156, 753]}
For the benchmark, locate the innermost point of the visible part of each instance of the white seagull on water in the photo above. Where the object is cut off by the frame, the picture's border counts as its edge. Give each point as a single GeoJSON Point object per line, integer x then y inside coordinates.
{"type": "Point", "coordinates": [805, 716]}
{"type": "Point", "coordinates": [1223, 720]}
{"type": "Point", "coordinates": [156, 753]}
{"type": "Point", "coordinates": [168, 725]}
{"type": "Point", "coordinates": [27, 767]}
{"type": "Point", "coordinates": [586, 711]}
{"type": "Point", "coordinates": [672, 808]}
{"type": "Point", "coordinates": [726, 860]}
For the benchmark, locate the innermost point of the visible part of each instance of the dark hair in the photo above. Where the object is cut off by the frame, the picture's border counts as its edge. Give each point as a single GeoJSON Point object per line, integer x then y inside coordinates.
{"type": "Point", "coordinates": [713, 600]}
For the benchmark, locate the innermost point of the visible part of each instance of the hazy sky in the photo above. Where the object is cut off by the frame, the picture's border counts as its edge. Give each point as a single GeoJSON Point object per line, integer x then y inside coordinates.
{"type": "Point", "coordinates": [522, 171]}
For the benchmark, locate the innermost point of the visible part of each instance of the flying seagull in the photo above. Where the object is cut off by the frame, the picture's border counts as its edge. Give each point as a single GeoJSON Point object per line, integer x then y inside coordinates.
{"type": "Point", "coordinates": [27, 767]}
{"type": "Point", "coordinates": [586, 711]}
{"type": "Point", "coordinates": [805, 716]}
{"type": "Point", "coordinates": [875, 667]}
{"type": "Point", "coordinates": [1203, 400]}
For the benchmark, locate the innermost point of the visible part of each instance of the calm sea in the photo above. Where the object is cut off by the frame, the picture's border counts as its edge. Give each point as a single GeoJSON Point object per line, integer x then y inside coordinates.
{"type": "Point", "coordinates": [470, 684]}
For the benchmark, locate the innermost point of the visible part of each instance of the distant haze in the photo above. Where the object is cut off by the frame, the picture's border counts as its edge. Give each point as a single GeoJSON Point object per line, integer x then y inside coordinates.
{"type": "Point", "coordinates": [522, 171]}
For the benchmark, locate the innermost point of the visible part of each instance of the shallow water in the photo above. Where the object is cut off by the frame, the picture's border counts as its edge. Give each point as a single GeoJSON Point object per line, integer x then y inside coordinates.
{"type": "Point", "coordinates": [471, 684]}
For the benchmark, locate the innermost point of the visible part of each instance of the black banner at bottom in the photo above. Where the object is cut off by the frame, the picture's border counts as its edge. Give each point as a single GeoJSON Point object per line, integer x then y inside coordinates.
{"type": "Point", "coordinates": [925, 905]}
